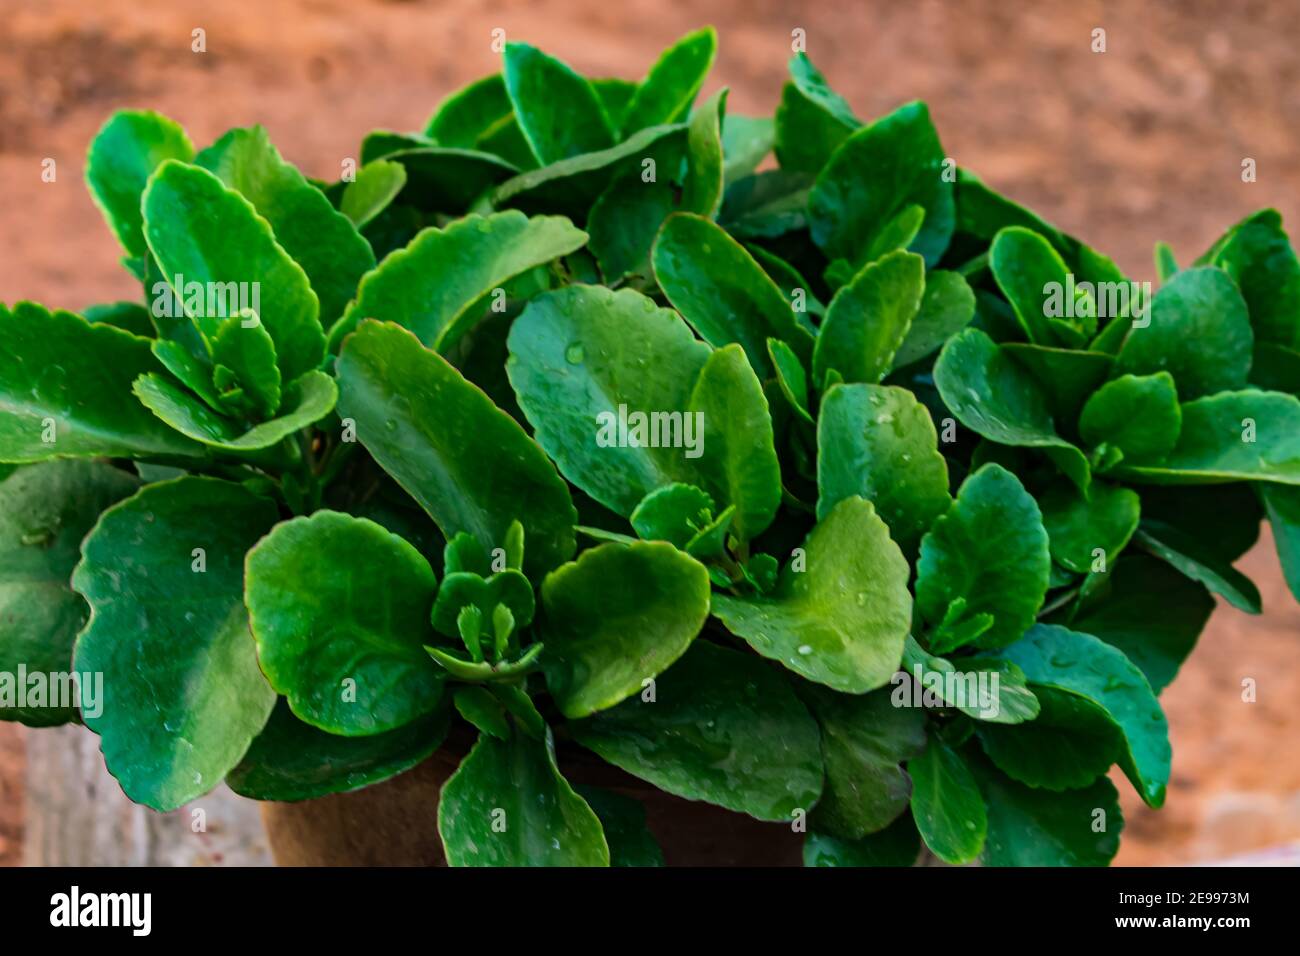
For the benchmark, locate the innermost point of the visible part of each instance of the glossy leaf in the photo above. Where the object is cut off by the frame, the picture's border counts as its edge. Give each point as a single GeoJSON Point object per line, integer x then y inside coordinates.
{"type": "Point", "coordinates": [840, 618]}
{"type": "Point", "coordinates": [1138, 414]}
{"type": "Point", "coordinates": [723, 727]}
{"type": "Point", "coordinates": [812, 119]}
{"type": "Point", "coordinates": [1067, 377]}
{"type": "Point", "coordinates": [1257, 254]}
{"type": "Point", "coordinates": [376, 186]}
{"type": "Point", "coordinates": [947, 306]}
{"type": "Point", "coordinates": [968, 686]}
{"type": "Point", "coordinates": [467, 463]}
{"type": "Point", "coordinates": [557, 110]}
{"type": "Point", "coordinates": [481, 117]}
{"type": "Point", "coordinates": [746, 141]}
{"type": "Point", "coordinates": [669, 89]}
{"type": "Point", "coordinates": [1068, 745]}
{"type": "Point", "coordinates": [946, 803]}
{"type": "Point", "coordinates": [868, 319]}
{"type": "Point", "coordinates": [1079, 527]}
{"type": "Point", "coordinates": [623, 224]}
{"type": "Point", "coordinates": [168, 630]}
{"type": "Point", "coordinates": [702, 191]}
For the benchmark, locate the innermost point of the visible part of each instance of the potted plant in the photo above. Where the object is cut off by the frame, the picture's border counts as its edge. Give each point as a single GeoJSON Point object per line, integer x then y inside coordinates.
{"type": "Point", "coordinates": [559, 479]}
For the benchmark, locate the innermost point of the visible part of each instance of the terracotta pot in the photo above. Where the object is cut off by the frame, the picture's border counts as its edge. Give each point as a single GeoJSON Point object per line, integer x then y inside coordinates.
{"type": "Point", "coordinates": [394, 823]}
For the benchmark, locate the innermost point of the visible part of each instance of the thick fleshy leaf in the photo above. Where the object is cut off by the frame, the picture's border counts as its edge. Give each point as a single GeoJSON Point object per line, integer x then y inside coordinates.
{"type": "Point", "coordinates": [508, 805]}
{"type": "Point", "coordinates": [1257, 254]}
{"type": "Point", "coordinates": [987, 556]}
{"type": "Point", "coordinates": [1283, 509]}
{"type": "Point", "coordinates": [319, 238]}
{"type": "Point", "coordinates": [439, 285]}
{"type": "Point", "coordinates": [996, 398]}
{"type": "Point", "coordinates": [1037, 282]}
{"type": "Point", "coordinates": [65, 391]}
{"type": "Point", "coordinates": [669, 89]}
{"type": "Point", "coordinates": [1084, 665]}
{"type": "Point", "coordinates": [702, 191]}
{"type": "Point", "coordinates": [202, 232]}
{"type": "Point", "coordinates": [169, 633]}
{"type": "Point", "coordinates": [45, 511]}
{"type": "Point", "coordinates": [123, 155]}
{"type": "Point", "coordinates": [1068, 745]}
{"type": "Point", "coordinates": [1152, 613]}
{"type": "Point", "coordinates": [1199, 332]}
{"type": "Point", "coordinates": [307, 400]}
{"type": "Point", "coordinates": [340, 611]}
{"type": "Point", "coordinates": [738, 462]}
{"type": "Point", "coordinates": [243, 357]}
{"type": "Point", "coordinates": [1067, 377]}
{"type": "Point", "coordinates": [1232, 436]}
{"type": "Point", "coordinates": [376, 186]}
{"type": "Point", "coordinates": [1029, 827]}
{"type": "Point", "coordinates": [623, 820]}
{"type": "Point", "coordinates": [615, 95]}
{"type": "Point", "coordinates": [893, 162]}
{"type": "Point", "coordinates": [864, 739]}
{"type": "Point", "coordinates": [469, 464]}
{"type": "Point", "coordinates": [722, 292]}
{"type": "Point", "coordinates": [722, 727]}
{"type": "Point", "coordinates": [583, 360]}
{"type": "Point", "coordinates": [879, 442]}
{"type": "Point", "coordinates": [1088, 533]}
{"type": "Point", "coordinates": [481, 117]}
{"type": "Point", "coordinates": [292, 760]}
{"type": "Point", "coordinates": [840, 611]}
{"type": "Point", "coordinates": [947, 307]}
{"type": "Point", "coordinates": [968, 686]}
{"type": "Point", "coordinates": [1200, 562]}
{"type": "Point", "coordinates": [1138, 414]}
{"type": "Point", "coordinates": [868, 320]}
{"type": "Point", "coordinates": [557, 110]}
{"type": "Point", "coordinates": [674, 513]}
{"type": "Point", "coordinates": [791, 378]}
{"type": "Point", "coordinates": [812, 119]}
{"type": "Point", "coordinates": [899, 844]}
{"type": "Point", "coordinates": [946, 803]}
{"type": "Point", "coordinates": [616, 618]}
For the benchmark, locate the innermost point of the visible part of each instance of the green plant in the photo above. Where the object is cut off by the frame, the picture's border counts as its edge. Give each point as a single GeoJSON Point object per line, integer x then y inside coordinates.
{"type": "Point", "coordinates": [846, 493]}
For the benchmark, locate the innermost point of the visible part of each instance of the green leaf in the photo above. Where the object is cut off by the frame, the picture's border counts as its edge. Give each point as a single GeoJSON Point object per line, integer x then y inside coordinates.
{"type": "Point", "coordinates": [1138, 414]}
{"type": "Point", "coordinates": [1283, 506]}
{"type": "Point", "coordinates": [291, 760]}
{"type": "Point", "coordinates": [746, 141]}
{"type": "Point", "coordinates": [443, 282]}
{"type": "Point", "coordinates": [946, 803]}
{"type": "Point", "coordinates": [623, 820]}
{"type": "Point", "coordinates": [990, 552]}
{"type": "Point", "coordinates": [307, 400]}
{"type": "Point", "coordinates": [320, 239]}
{"type": "Point", "coordinates": [669, 89]}
{"type": "Point", "coordinates": [1152, 613]}
{"type": "Point", "coordinates": [1037, 282]}
{"type": "Point", "coordinates": [1232, 436]}
{"type": "Point", "coordinates": [996, 398]}
{"type": "Point", "coordinates": [45, 511]}
{"type": "Point", "coordinates": [244, 348]}
{"type": "Point", "coordinates": [738, 462]}
{"type": "Point", "coordinates": [1257, 254]}
{"type": "Point", "coordinates": [64, 379]}
{"type": "Point", "coordinates": [1033, 828]}
{"type": "Point", "coordinates": [968, 686]}
{"type": "Point", "coordinates": [169, 633]}
{"type": "Point", "coordinates": [481, 117]}
{"type": "Point", "coordinates": [947, 307]}
{"type": "Point", "coordinates": [881, 168]}
{"type": "Point", "coordinates": [623, 224]}
{"type": "Point", "coordinates": [479, 707]}
{"type": "Point", "coordinates": [376, 186]}
{"type": "Point", "coordinates": [557, 110]}
{"type": "Point", "coordinates": [508, 805]}
{"type": "Point", "coordinates": [897, 845]}
{"type": "Point", "coordinates": [1198, 331]}
{"type": "Point", "coordinates": [1078, 526]}
{"type": "Point", "coordinates": [864, 739]}
{"type": "Point", "coordinates": [674, 513]}
{"type": "Point", "coordinates": [812, 119]}
{"type": "Point", "coordinates": [722, 292]}
{"type": "Point", "coordinates": [868, 319]}
{"type": "Point", "coordinates": [1067, 377]}
{"type": "Point", "coordinates": [128, 316]}
{"type": "Point", "coordinates": [461, 589]}
{"type": "Point", "coordinates": [982, 212]}
{"type": "Point", "coordinates": [1084, 665]}
{"type": "Point", "coordinates": [340, 611]}
{"type": "Point", "coordinates": [790, 377]}
{"type": "Point", "coordinates": [202, 232]}
{"type": "Point", "coordinates": [723, 727]}
{"type": "Point", "coordinates": [793, 285]}
{"type": "Point", "coordinates": [840, 611]}
{"type": "Point", "coordinates": [1068, 745]}
{"type": "Point", "coordinates": [584, 359]}
{"type": "Point", "coordinates": [617, 617]}
{"type": "Point", "coordinates": [467, 463]}
{"type": "Point", "coordinates": [1199, 562]}
{"type": "Point", "coordinates": [615, 95]}
{"type": "Point", "coordinates": [1166, 264]}
{"type": "Point", "coordinates": [702, 191]}
{"type": "Point", "coordinates": [766, 205]}
{"type": "Point", "coordinates": [123, 155]}
{"type": "Point", "coordinates": [1275, 368]}
{"type": "Point", "coordinates": [443, 179]}
{"type": "Point", "coordinates": [878, 441]}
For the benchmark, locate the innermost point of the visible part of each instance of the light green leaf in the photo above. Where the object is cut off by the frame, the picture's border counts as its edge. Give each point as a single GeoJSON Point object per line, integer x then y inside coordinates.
{"type": "Point", "coordinates": [746, 141]}
{"type": "Point", "coordinates": [946, 804]}
{"type": "Point", "coordinates": [617, 617]}
{"type": "Point", "coordinates": [868, 319]}
{"type": "Point", "coordinates": [244, 347]}
{"type": "Point", "coordinates": [1138, 414]}
{"type": "Point", "coordinates": [702, 191]}
{"type": "Point", "coordinates": [841, 609]}
{"type": "Point", "coordinates": [669, 89]}
{"type": "Point", "coordinates": [169, 633]}
{"type": "Point", "coordinates": [376, 186]}
{"type": "Point", "coordinates": [724, 728]}
{"type": "Point", "coordinates": [1036, 281]}
{"type": "Point", "coordinates": [481, 117]}
{"type": "Point", "coordinates": [557, 110]}
{"type": "Point", "coordinates": [340, 611]}
{"type": "Point", "coordinates": [968, 685]}
{"type": "Point", "coordinates": [790, 377]}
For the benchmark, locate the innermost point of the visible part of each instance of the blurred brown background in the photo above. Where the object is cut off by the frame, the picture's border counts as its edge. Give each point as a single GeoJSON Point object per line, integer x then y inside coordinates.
{"type": "Point", "coordinates": [1140, 143]}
